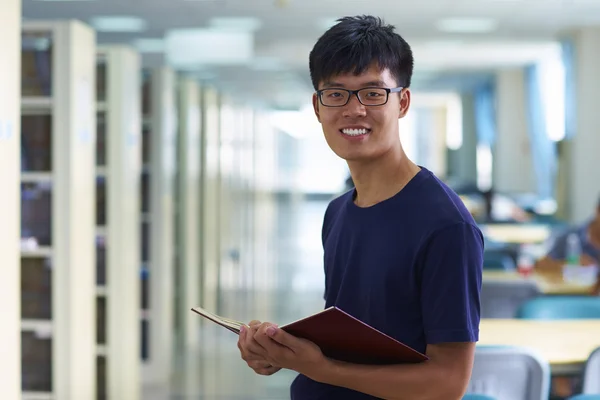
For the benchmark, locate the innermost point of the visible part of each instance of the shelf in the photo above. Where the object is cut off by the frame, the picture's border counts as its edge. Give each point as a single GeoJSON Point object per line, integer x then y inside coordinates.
{"type": "Point", "coordinates": [36, 104]}
{"type": "Point", "coordinates": [101, 231]}
{"type": "Point", "coordinates": [36, 177]}
{"type": "Point", "coordinates": [101, 350]}
{"type": "Point", "coordinates": [39, 252]}
{"type": "Point", "coordinates": [101, 172]}
{"type": "Point", "coordinates": [101, 291]}
{"type": "Point", "coordinates": [42, 328]}
{"type": "Point", "coordinates": [37, 396]}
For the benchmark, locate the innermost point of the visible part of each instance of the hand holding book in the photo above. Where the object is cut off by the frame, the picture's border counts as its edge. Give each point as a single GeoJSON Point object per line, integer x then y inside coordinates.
{"type": "Point", "coordinates": [282, 350]}
{"type": "Point", "coordinates": [339, 336]}
{"type": "Point", "coordinates": [252, 352]}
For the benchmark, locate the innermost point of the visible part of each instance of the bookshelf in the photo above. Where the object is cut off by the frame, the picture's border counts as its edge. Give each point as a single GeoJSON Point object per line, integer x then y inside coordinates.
{"type": "Point", "coordinates": [118, 171]}
{"type": "Point", "coordinates": [57, 213]}
{"type": "Point", "coordinates": [159, 137]}
{"type": "Point", "coordinates": [10, 300]}
{"type": "Point", "coordinates": [188, 213]}
{"type": "Point", "coordinates": [210, 197]}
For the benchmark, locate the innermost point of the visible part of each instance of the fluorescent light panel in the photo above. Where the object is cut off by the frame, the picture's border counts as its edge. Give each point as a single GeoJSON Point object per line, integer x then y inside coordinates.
{"type": "Point", "coordinates": [191, 48]}
{"type": "Point", "coordinates": [267, 64]}
{"type": "Point", "coordinates": [326, 23]}
{"type": "Point", "coordinates": [149, 45]}
{"type": "Point", "coordinates": [235, 24]}
{"type": "Point", "coordinates": [467, 25]}
{"type": "Point", "coordinates": [118, 24]}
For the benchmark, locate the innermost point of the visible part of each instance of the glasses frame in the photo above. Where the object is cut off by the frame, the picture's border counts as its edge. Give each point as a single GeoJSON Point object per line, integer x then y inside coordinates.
{"type": "Point", "coordinates": [355, 92]}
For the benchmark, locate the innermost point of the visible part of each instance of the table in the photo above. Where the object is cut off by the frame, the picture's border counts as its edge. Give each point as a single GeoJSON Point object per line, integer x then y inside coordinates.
{"type": "Point", "coordinates": [516, 233]}
{"type": "Point", "coordinates": [549, 283]}
{"type": "Point", "coordinates": [565, 344]}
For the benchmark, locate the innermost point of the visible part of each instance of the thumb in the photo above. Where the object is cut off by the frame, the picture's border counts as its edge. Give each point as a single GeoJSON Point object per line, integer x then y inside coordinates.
{"type": "Point", "coordinates": [282, 337]}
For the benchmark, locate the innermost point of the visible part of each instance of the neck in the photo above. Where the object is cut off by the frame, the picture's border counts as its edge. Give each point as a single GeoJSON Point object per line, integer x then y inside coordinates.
{"type": "Point", "coordinates": [380, 179]}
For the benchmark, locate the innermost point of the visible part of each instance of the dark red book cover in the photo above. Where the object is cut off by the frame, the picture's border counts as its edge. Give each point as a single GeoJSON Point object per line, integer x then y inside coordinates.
{"type": "Point", "coordinates": [343, 337]}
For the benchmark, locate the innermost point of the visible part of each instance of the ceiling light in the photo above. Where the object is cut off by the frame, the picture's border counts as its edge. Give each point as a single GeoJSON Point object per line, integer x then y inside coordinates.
{"type": "Point", "coordinates": [118, 24]}
{"type": "Point", "coordinates": [192, 48]}
{"type": "Point", "coordinates": [326, 23]}
{"type": "Point", "coordinates": [467, 25]}
{"type": "Point", "coordinates": [443, 44]}
{"type": "Point", "coordinates": [148, 45]}
{"type": "Point", "coordinates": [267, 64]}
{"type": "Point", "coordinates": [236, 24]}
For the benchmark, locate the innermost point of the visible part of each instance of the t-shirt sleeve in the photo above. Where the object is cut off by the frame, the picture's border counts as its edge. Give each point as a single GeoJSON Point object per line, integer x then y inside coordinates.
{"type": "Point", "coordinates": [451, 284]}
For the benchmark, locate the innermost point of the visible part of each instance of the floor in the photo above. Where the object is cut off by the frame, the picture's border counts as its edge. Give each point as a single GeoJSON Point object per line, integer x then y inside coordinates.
{"type": "Point", "coordinates": [287, 292]}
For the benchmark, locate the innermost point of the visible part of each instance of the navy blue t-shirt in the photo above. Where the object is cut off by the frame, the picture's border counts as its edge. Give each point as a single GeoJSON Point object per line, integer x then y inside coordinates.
{"type": "Point", "coordinates": [410, 266]}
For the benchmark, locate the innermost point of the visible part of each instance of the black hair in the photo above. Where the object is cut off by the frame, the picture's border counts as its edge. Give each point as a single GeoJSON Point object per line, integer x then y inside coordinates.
{"type": "Point", "coordinates": [354, 44]}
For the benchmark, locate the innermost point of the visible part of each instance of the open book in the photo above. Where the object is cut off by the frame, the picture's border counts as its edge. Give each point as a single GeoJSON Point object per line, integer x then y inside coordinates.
{"type": "Point", "coordinates": [340, 336]}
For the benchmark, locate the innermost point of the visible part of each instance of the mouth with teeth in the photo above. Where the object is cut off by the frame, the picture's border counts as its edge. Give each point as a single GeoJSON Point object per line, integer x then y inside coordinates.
{"type": "Point", "coordinates": [355, 132]}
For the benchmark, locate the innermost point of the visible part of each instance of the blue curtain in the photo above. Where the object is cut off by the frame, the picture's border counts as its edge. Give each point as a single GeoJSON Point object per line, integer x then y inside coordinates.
{"type": "Point", "coordinates": [542, 148]}
{"type": "Point", "coordinates": [485, 113]}
{"type": "Point", "coordinates": [568, 57]}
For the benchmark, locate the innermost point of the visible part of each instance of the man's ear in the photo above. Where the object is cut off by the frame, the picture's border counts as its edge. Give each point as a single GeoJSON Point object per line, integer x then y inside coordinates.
{"type": "Point", "coordinates": [315, 102]}
{"type": "Point", "coordinates": [404, 103]}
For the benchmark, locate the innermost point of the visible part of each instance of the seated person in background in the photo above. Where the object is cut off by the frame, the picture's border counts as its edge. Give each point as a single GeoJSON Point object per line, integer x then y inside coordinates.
{"type": "Point", "coordinates": [501, 208]}
{"type": "Point", "coordinates": [589, 239]}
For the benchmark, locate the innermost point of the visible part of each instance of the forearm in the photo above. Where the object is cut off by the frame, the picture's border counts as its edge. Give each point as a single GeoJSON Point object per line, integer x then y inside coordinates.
{"type": "Point", "coordinates": [423, 381]}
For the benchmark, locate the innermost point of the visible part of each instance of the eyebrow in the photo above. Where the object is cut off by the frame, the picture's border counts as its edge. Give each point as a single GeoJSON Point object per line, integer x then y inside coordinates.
{"type": "Point", "coordinates": [341, 85]}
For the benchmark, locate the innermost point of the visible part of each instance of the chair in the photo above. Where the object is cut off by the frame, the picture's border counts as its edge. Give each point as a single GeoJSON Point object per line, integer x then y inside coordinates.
{"type": "Point", "coordinates": [498, 260]}
{"type": "Point", "coordinates": [561, 307]}
{"type": "Point", "coordinates": [502, 299]}
{"type": "Point", "coordinates": [591, 375]}
{"type": "Point", "coordinates": [509, 373]}
{"type": "Point", "coordinates": [473, 396]}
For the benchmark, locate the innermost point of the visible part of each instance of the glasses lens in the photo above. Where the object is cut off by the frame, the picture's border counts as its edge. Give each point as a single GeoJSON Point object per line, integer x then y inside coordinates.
{"type": "Point", "coordinates": [373, 96]}
{"type": "Point", "coordinates": [334, 97]}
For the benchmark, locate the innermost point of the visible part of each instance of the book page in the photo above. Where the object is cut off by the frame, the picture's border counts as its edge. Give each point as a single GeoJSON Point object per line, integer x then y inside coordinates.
{"type": "Point", "coordinates": [230, 324]}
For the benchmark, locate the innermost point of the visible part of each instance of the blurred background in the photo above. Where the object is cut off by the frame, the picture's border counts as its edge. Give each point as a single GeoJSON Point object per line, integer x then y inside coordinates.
{"type": "Point", "coordinates": [160, 155]}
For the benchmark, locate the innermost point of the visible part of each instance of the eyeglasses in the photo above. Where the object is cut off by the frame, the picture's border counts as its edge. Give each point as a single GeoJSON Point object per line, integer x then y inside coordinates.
{"type": "Point", "coordinates": [372, 96]}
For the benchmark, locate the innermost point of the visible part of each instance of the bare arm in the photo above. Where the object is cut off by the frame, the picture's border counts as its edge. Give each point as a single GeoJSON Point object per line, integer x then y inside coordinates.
{"type": "Point", "coordinates": [444, 377]}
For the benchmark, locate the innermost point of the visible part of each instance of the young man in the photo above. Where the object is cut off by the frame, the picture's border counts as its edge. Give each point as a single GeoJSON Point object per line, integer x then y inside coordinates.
{"type": "Point", "coordinates": [402, 253]}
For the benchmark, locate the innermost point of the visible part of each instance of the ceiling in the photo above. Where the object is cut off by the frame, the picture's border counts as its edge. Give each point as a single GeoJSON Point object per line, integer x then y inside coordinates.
{"type": "Point", "coordinates": [513, 32]}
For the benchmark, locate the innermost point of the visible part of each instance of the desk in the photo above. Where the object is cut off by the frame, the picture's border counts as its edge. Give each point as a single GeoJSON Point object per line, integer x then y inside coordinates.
{"type": "Point", "coordinates": [516, 233]}
{"type": "Point", "coordinates": [548, 283]}
{"type": "Point", "coordinates": [565, 344]}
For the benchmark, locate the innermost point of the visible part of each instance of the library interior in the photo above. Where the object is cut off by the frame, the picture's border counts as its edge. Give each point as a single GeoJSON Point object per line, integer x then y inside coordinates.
{"type": "Point", "coordinates": [158, 156]}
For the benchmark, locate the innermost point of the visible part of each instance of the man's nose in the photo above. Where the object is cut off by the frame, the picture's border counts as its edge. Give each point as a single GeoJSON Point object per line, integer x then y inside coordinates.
{"type": "Point", "coordinates": [354, 108]}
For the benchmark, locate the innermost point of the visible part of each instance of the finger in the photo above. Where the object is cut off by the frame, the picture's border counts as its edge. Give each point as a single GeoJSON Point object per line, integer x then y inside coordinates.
{"type": "Point", "coordinates": [267, 371]}
{"type": "Point", "coordinates": [283, 338]}
{"type": "Point", "coordinates": [252, 347]}
{"type": "Point", "coordinates": [257, 364]}
{"type": "Point", "coordinates": [254, 322]}
{"type": "Point", "coordinates": [242, 337]}
{"type": "Point", "coordinates": [273, 348]}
